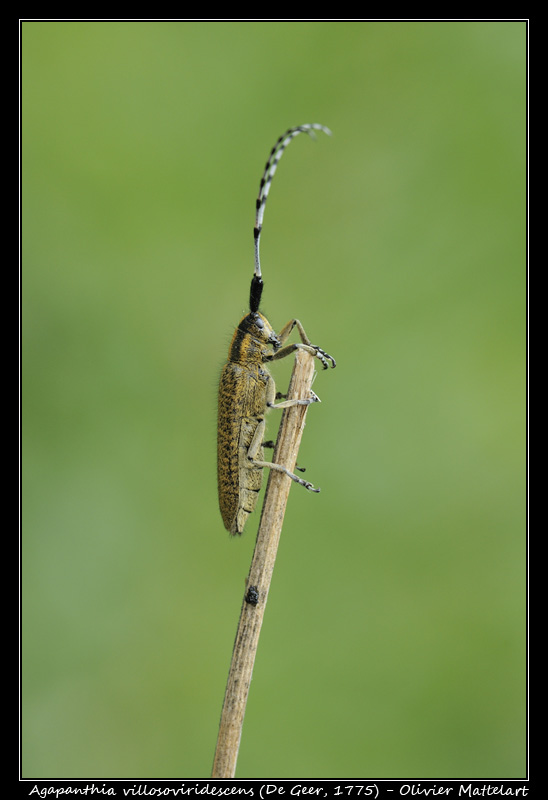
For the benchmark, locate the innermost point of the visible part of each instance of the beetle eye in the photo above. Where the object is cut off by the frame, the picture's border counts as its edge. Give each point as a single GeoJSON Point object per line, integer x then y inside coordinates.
{"type": "Point", "coordinates": [259, 323]}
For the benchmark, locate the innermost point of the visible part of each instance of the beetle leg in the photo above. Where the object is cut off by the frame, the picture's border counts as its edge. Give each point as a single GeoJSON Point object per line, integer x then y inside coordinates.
{"type": "Point", "coordinates": [253, 449]}
{"type": "Point", "coordinates": [304, 344]}
{"type": "Point", "coordinates": [288, 403]}
{"type": "Point", "coordinates": [271, 445]}
{"type": "Point", "coordinates": [279, 468]}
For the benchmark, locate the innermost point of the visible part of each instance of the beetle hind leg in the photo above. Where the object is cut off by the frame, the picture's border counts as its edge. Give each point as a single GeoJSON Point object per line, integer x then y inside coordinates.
{"type": "Point", "coordinates": [270, 444]}
{"type": "Point", "coordinates": [280, 468]}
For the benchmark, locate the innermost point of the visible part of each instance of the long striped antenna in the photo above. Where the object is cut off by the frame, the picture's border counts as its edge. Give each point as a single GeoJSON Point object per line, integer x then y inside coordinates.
{"type": "Point", "coordinates": [269, 171]}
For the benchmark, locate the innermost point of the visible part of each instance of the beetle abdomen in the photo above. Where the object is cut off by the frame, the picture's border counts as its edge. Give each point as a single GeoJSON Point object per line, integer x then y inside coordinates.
{"type": "Point", "coordinates": [242, 403]}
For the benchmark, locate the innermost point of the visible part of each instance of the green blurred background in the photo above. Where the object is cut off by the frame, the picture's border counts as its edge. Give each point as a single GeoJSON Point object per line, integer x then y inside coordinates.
{"type": "Point", "coordinates": [394, 638]}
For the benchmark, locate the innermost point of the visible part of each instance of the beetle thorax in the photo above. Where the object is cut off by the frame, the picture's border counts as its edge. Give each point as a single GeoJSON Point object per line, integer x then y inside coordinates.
{"type": "Point", "coordinates": [253, 337]}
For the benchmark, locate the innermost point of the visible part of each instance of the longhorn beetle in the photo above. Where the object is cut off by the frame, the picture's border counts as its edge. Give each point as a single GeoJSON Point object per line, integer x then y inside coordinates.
{"type": "Point", "coordinates": [246, 388]}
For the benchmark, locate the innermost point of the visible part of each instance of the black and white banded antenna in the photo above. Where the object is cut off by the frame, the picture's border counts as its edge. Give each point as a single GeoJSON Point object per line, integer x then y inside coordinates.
{"type": "Point", "coordinates": [269, 171]}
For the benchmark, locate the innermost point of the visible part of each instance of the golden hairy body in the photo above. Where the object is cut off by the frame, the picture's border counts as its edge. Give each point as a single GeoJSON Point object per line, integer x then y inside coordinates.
{"type": "Point", "coordinates": [245, 390]}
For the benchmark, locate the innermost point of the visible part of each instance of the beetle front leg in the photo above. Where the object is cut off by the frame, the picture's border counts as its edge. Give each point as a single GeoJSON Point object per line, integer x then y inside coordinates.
{"type": "Point", "coordinates": [305, 344]}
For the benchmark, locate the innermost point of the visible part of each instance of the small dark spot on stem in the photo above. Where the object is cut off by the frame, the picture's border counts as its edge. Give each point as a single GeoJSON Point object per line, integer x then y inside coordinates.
{"type": "Point", "coordinates": [252, 596]}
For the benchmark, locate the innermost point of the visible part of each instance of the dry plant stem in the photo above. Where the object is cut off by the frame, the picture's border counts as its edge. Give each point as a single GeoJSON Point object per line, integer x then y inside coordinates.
{"type": "Point", "coordinates": [260, 573]}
